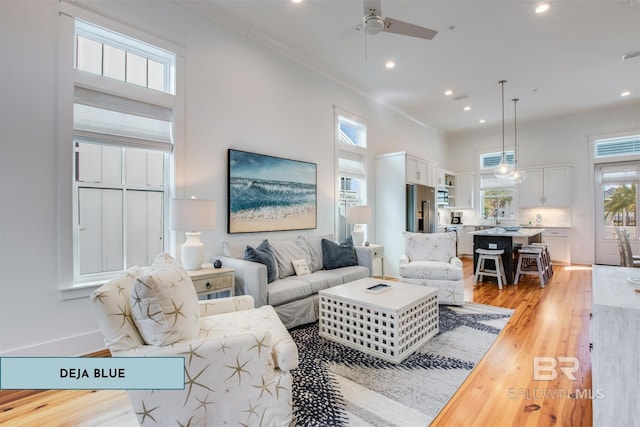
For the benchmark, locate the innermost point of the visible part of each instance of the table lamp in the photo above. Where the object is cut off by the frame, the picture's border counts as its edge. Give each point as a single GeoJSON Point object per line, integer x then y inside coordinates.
{"type": "Point", "coordinates": [358, 215]}
{"type": "Point", "coordinates": [192, 216]}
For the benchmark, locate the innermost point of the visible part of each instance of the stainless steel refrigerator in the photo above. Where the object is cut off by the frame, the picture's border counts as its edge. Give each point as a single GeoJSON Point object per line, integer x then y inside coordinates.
{"type": "Point", "coordinates": [421, 208]}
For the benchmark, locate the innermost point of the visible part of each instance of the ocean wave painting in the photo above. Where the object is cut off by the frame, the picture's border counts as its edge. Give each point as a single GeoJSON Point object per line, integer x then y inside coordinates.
{"type": "Point", "coordinates": [270, 193]}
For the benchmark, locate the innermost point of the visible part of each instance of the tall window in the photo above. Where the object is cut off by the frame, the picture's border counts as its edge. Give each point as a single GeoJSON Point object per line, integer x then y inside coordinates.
{"type": "Point", "coordinates": [123, 124]}
{"type": "Point", "coordinates": [351, 143]}
{"type": "Point", "coordinates": [496, 195]}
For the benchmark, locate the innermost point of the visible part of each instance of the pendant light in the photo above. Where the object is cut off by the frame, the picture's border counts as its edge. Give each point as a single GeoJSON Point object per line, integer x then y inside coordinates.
{"type": "Point", "coordinates": [518, 175]}
{"type": "Point", "coordinates": [504, 169]}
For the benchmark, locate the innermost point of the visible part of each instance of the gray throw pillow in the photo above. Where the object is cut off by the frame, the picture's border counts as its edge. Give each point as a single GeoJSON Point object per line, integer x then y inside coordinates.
{"type": "Point", "coordinates": [263, 255]}
{"type": "Point", "coordinates": [336, 256]}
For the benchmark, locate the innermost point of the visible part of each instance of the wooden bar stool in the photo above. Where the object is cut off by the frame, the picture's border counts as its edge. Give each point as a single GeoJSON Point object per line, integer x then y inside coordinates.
{"type": "Point", "coordinates": [530, 262]}
{"type": "Point", "coordinates": [481, 270]}
{"type": "Point", "coordinates": [546, 258]}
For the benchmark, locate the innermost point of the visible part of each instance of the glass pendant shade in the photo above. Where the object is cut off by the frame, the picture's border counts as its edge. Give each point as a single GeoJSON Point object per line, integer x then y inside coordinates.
{"type": "Point", "coordinates": [518, 176]}
{"type": "Point", "coordinates": [504, 169]}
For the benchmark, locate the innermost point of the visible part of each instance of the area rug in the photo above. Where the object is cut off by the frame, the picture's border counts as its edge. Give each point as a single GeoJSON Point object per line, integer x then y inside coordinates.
{"type": "Point", "coordinates": [335, 385]}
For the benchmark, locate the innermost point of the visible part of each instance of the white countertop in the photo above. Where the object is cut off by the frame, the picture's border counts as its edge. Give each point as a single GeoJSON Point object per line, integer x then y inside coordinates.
{"type": "Point", "coordinates": [498, 231]}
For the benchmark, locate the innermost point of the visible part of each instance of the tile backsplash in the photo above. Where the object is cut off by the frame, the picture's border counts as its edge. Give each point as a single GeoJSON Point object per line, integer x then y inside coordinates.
{"type": "Point", "coordinates": [559, 217]}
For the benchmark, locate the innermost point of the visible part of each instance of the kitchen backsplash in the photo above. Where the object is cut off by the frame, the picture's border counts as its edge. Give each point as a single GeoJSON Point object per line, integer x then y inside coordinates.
{"type": "Point", "coordinates": [549, 217]}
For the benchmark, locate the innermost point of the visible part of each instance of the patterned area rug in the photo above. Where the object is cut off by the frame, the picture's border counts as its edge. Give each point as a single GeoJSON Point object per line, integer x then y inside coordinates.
{"type": "Point", "coordinates": [335, 385]}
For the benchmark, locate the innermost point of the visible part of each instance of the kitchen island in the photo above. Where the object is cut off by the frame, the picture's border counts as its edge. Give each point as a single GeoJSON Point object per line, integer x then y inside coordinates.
{"type": "Point", "coordinates": [499, 238]}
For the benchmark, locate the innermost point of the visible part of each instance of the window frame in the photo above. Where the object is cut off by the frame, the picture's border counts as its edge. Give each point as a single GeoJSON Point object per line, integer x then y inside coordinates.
{"type": "Point", "coordinates": [69, 77]}
{"type": "Point", "coordinates": [354, 154]}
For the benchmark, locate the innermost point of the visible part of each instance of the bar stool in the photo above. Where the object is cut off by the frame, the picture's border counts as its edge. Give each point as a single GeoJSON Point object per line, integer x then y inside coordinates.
{"type": "Point", "coordinates": [546, 258]}
{"type": "Point", "coordinates": [530, 262]}
{"type": "Point", "coordinates": [495, 256]}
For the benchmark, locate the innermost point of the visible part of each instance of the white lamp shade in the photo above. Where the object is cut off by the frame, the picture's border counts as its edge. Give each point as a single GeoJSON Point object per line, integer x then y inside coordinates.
{"type": "Point", "coordinates": [358, 215]}
{"type": "Point", "coordinates": [192, 214]}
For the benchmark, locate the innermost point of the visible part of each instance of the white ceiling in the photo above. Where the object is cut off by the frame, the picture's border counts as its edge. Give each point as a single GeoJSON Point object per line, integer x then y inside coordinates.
{"type": "Point", "coordinates": [563, 61]}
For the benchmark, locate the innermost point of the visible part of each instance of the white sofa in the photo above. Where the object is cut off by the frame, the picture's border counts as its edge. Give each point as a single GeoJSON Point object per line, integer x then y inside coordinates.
{"type": "Point", "coordinates": [294, 297]}
{"type": "Point", "coordinates": [156, 313]}
{"type": "Point", "coordinates": [430, 260]}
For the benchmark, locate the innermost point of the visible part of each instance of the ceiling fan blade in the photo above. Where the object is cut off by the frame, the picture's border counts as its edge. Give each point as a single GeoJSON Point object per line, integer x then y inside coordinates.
{"type": "Point", "coordinates": [404, 28]}
{"type": "Point", "coordinates": [372, 7]}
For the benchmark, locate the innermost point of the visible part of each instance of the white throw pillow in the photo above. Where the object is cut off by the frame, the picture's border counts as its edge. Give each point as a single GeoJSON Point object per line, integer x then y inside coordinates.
{"type": "Point", "coordinates": [300, 266]}
{"type": "Point", "coordinates": [164, 303]}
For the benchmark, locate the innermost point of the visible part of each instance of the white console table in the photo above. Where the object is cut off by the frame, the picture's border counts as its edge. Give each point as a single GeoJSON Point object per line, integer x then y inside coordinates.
{"type": "Point", "coordinates": [615, 337]}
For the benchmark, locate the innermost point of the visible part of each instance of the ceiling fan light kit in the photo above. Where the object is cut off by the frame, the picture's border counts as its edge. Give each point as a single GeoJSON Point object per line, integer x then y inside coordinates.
{"type": "Point", "coordinates": [373, 24]}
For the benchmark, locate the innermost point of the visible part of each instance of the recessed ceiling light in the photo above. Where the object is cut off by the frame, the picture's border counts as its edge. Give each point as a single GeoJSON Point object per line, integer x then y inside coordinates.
{"type": "Point", "coordinates": [296, 1]}
{"type": "Point", "coordinates": [390, 64]}
{"type": "Point", "coordinates": [448, 92]}
{"type": "Point", "coordinates": [542, 8]}
{"type": "Point", "coordinates": [625, 93]}
{"type": "Point", "coordinates": [467, 108]}
{"type": "Point", "coordinates": [482, 120]}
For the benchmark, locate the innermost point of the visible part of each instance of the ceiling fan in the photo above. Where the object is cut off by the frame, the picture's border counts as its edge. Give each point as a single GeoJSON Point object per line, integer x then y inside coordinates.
{"type": "Point", "coordinates": [373, 23]}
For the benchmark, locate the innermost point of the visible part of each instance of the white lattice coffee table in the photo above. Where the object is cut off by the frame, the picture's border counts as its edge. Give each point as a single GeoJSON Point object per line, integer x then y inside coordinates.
{"type": "Point", "coordinates": [390, 325]}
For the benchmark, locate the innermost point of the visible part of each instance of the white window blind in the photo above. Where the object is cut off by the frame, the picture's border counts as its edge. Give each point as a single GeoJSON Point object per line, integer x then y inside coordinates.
{"type": "Point", "coordinates": [107, 119]}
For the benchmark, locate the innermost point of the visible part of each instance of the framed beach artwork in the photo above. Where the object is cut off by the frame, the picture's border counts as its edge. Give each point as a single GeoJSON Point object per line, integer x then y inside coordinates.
{"type": "Point", "coordinates": [269, 193]}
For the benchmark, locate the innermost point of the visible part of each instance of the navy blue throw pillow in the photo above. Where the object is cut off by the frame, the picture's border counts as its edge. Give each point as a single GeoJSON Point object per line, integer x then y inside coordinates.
{"type": "Point", "coordinates": [263, 255]}
{"type": "Point", "coordinates": [336, 256]}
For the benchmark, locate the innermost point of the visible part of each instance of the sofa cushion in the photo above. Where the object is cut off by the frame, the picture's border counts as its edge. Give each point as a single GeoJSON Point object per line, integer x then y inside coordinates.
{"type": "Point", "coordinates": [336, 256]}
{"type": "Point", "coordinates": [314, 245]}
{"type": "Point", "coordinates": [285, 251]}
{"type": "Point", "coordinates": [111, 304]}
{"type": "Point", "coordinates": [289, 289]}
{"type": "Point", "coordinates": [263, 255]}
{"type": "Point", "coordinates": [433, 270]}
{"type": "Point", "coordinates": [164, 304]}
{"type": "Point", "coordinates": [351, 273]}
{"type": "Point", "coordinates": [430, 246]}
{"type": "Point", "coordinates": [322, 280]}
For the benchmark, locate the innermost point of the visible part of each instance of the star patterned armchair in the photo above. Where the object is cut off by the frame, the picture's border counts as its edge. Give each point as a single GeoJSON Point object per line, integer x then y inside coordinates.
{"type": "Point", "coordinates": [237, 358]}
{"type": "Point", "coordinates": [430, 260]}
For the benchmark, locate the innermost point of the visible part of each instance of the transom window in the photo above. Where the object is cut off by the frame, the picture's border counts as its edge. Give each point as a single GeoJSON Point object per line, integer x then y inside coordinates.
{"type": "Point", "coordinates": [109, 54]}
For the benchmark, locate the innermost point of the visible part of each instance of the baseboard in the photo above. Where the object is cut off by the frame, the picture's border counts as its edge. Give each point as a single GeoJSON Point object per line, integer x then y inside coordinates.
{"type": "Point", "coordinates": [77, 345]}
{"type": "Point", "coordinates": [7, 396]}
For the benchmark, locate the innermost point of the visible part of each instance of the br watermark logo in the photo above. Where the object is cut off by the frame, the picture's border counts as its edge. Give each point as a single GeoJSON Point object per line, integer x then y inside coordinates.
{"type": "Point", "coordinates": [546, 368]}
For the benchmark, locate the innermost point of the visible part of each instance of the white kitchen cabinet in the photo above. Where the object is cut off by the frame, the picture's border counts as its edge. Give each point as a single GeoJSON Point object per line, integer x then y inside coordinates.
{"type": "Point", "coordinates": [465, 246]}
{"type": "Point", "coordinates": [432, 174]}
{"type": "Point", "coordinates": [545, 187]}
{"type": "Point", "coordinates": [464, 191]}
{"type": "Point", "coordinates": [416, 170]}
{"type": "Point", "coordinates": [558, 241]}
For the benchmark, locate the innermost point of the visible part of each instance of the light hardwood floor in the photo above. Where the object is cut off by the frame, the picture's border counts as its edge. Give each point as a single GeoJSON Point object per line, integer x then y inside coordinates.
{"type": "Point", "coordinates": [500, 391]}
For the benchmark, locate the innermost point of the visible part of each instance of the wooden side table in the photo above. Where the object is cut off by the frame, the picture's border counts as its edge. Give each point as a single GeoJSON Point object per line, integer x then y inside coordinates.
{"type": "Point", "coordinates": [209, 281]}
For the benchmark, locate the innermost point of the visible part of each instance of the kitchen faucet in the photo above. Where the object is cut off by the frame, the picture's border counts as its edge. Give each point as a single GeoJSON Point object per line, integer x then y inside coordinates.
{"type": "Point", "coordinates": [495, 216]}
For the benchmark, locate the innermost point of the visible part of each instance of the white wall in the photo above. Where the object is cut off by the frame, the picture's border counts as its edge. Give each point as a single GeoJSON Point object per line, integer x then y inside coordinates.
{"type": "Point", "coordinates": [238, 94]}
{"type": "Point", "coordinates": [551, 141]}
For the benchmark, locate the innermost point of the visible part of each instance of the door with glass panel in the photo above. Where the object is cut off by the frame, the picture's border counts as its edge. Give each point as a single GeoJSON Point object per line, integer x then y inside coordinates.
{"type": "Point", "coordinates": [616, 206]}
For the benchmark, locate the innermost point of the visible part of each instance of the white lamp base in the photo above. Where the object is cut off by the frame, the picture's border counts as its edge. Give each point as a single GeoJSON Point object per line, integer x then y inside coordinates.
{"type": "Point", "coordinates": [357, 235]}
{"type": "Point", "coordinates": [192, 251]}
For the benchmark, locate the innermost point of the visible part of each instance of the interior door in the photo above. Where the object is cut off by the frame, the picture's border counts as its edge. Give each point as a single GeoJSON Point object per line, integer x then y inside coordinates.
{"type": "Point", "coordinates": [616, 206]}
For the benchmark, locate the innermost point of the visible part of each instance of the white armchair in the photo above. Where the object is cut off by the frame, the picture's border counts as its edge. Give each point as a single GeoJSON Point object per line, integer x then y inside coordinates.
{"type": "Point", "coordinates": [237, 362]}
{"type": "Point", "coordinates": [430, 260]}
